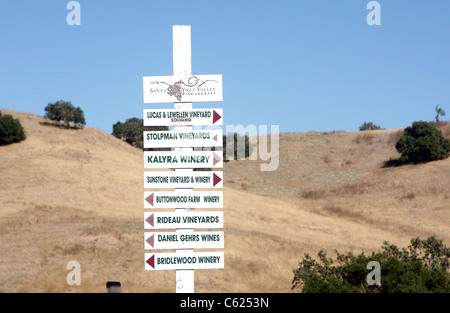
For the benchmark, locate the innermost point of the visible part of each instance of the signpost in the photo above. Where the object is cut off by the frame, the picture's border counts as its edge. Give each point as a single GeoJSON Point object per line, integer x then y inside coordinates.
{"type": "Point", "coordinates": [174, 117]}
{"type": "Point", "coordinates": [183, 199]}
{"type": "Point", "coordinates": [183, 240]}
{"type": "Point", "coordinates": [182, 159]}
{"type": "Point", "coordinates": [180, 179]}
{"type": "Point", "coordinates": [185, 220]}
{"type": "Point", "coordinates": [182, 89]}
{"type": "Point", "coordinates": [183, 138]}
{"type": "Point", "coordinates": [187, 260]}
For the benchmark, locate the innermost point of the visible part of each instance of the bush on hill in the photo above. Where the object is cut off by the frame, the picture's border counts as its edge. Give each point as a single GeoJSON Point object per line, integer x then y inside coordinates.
{"type": "Point", "coordinates": [423, 267]}
{"type": "Point", "coordinates": [240, 145]}
{"type": "Point", "coordinates": [132, 131]}
{"type": "Point", "coordinates": [65, 111]}
{"type": "Point", "coordinates": [422, 142]}
{"type": "Point", "coordinates": [369, 126]}
{"type": "Point", "coordinates": [10, 130]}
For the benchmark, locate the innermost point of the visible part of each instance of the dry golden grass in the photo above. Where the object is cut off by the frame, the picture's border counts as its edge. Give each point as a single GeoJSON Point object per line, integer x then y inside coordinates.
{"type": "Point", "coordinates": [77, 195]}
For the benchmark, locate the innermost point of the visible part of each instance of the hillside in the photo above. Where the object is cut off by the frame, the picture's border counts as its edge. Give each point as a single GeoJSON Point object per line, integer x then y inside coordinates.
{"type": "Point", "coordinates": [77, 195]}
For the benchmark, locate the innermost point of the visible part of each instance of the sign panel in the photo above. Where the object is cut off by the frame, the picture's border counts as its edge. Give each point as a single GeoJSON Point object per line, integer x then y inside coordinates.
{"type": "Point", "coordinates": [183, 159]}
{"type": "Point", "coordinates": [193, 88]}
{"type": "Point", "coordinates": [181, 117]}
{"type": "Point", "coordinates": [183, 199]}
{"type": "Point", "coordinates": [183, 179]}
{"type": "Point", "coordinates": [184, 240]}
{"type": "Point", "coordinates": [192, 219]}
{"type": "Point", "coordinates": [184, 261]}
{"type": "Point", "coordinates": [183, 138]}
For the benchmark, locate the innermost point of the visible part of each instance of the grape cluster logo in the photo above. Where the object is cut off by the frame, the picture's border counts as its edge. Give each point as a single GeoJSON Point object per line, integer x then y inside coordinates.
{"type": "Point", "coordinates": [194, 86]}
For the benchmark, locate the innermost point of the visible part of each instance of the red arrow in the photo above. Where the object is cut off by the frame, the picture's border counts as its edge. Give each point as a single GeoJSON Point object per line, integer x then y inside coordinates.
{"type": "Point", "coordinates": [150, 220]}
{"type": "Point", "coordinates": [149, 199]}
{"type": "Point", "coordinates": [151, 261]}
{"type": "Point", "coordinates": [216, 159]}
{"type": "Point", "coordinates": [215, 138]}
{"type": "Point", "coordinates": [216, 179]}
{"type": "Point", "coordinates": [151, 240]}
{"type": "Point", "coordinates": [216, 117]}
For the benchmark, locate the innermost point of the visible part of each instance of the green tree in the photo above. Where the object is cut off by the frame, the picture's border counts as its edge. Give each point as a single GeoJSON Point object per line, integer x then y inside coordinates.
{"type": "Point", "coordinates": [65, 111]}
{"type": "Point", "coordinates": [422, 267]}
{"type": "Point", "coordinates": [10, 130]}
{"type": "Point", "coordinates": [241, 145]}
{"type": "Point", "coordinates": [439, 112]}
{"type": "Point", "coordinates": [132, 131]}
{"type": "Point", "coordinates": [369, 126]}
{"type": "Point", "coordinates": [422, 142]}
{"type": "Point", "coordinates": [78, 117]}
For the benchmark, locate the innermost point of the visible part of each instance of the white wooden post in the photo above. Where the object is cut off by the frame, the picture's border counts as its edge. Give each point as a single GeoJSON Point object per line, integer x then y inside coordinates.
{"type": "Point", "coordinates": [182, 67]}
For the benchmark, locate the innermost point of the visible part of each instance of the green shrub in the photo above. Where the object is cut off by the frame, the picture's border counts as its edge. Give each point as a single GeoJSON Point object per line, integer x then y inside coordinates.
{"type": "Point", "coordinates": [10, 130]}
{"type": "Point", "coordinates": [240, 144]}
{"type": "Point", "coordinates": [422, 142]}
{"type": "Point", "coordinates": [65, 111]}
{"type": "Point", "coordinates": [132, 131]}
{"type": "Point", "coordinates": [369, 126]}
{"type": "Point", "coordinates": [423, 267]}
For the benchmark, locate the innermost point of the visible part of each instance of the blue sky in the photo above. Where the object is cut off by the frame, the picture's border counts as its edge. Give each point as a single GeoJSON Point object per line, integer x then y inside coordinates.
{"type": "Point", "coordinates": [305, 65]}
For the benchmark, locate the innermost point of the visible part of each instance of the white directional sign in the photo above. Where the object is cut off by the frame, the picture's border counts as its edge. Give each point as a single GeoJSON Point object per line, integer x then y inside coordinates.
{"type": "Point", "coordinates": [183, 199]}
{"type": "Point", "coordinates": [192, 219]}
{"type": "Point", "coordinates": [183, 159]}
{"type": "Point", "coordinates": [182, 89]}
{"type": "Point", "coordinates": [183, 138]}
{"type": "Point", "coordinates": [184, 260]}
{"type": "Point", "coordinates": [192, 88]}
{"type": "Point", "coordinates": [184, 240]}
{"type": "Point", "coordinates": [181, 179]}
{"type": "Point", "coordinates": [180, 117]}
